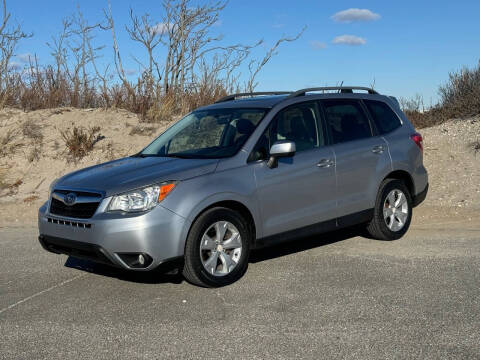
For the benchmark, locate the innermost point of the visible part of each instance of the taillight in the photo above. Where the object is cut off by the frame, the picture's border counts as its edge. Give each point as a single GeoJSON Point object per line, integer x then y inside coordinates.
{"type": "Point", "coordinates": [417, 138]}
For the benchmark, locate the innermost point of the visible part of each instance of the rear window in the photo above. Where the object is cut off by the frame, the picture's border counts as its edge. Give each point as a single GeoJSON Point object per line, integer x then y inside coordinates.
{"type": "Point", "coordinates": [383, 116]}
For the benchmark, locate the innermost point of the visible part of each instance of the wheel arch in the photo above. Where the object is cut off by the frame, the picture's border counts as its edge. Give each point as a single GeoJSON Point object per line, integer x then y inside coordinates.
{"type": "Point", "coordinates": [233, 204]}
{"type": "Point", "coordinates": [405, 177]}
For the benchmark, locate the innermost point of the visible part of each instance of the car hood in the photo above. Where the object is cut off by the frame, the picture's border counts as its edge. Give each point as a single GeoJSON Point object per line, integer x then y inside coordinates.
{"type": "Point", "coordinates": [133, 172]}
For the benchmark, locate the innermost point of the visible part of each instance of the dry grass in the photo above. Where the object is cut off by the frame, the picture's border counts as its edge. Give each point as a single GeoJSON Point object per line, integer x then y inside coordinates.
{"type": "Point", "coordinates": [34, 154]}
{"type": "Point", "coordinates": [3, 181]}
{"type": "Point", "coordinates": [6, 146]}
{"type": "Point", "coordinates": [11, 189]}
{"type": "Point", "coordinates": [80, 141]}
{"type": "Point", "coordinates": [30, 199]}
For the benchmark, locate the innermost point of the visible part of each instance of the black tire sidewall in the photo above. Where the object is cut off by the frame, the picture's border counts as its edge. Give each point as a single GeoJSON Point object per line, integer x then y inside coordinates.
{"type": "Point", "coordinates": [387, 187]}
{"type": "Point", "coordinates": [192, 253]}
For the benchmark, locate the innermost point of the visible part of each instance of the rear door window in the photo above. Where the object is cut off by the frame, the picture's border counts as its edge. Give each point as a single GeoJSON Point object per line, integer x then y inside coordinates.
{"type": "Point", "coordinates": [346, 120]}
{"type": "Point", "coordinates": [383, 116]}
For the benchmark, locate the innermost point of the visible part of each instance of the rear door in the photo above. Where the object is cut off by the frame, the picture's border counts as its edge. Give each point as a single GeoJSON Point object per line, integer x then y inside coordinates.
{"type": "Point", "coordinates": [301, 190]}
{"type": "Point", "coordinates": [361, 158]}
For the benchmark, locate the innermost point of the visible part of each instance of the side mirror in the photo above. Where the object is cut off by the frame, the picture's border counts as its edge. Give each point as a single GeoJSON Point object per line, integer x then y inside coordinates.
{"type": "Point", "coordinates": [280, 149]}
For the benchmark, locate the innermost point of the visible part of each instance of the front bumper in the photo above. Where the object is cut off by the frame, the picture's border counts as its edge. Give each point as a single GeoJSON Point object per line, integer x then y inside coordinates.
{"type": "Point", "coordinates": [107, 237]}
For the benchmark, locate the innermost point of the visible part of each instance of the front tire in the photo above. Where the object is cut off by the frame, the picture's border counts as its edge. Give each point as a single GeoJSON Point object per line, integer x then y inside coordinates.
{"type": "Point", "coordinates": [217, 248]}
{"type": "Point", "coordinates": [393, 211]}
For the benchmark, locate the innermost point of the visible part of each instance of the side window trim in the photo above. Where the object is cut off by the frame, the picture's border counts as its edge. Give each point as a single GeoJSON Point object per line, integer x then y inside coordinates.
{"type": "Point", "coordinates": [323, 116]}
{"type": "Point", "coordinates": [373, 126]}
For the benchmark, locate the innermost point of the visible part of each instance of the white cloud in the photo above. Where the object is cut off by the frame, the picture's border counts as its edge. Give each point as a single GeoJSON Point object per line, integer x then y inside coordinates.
{"type": "Point", "coordinates": [318, 45]}
{"type": "Point", "coordinates": [160, 28]}
{"type": "Point", "coordinates": [351, 40]}
{"type": "Point", "coordinates": [25, 58]}
{"type": "Point", "coordinates": [352, 15]}
{"type": "Point", "coordinates": [130, 71]}
{"type": "Point", "coordinates": [278, 26]}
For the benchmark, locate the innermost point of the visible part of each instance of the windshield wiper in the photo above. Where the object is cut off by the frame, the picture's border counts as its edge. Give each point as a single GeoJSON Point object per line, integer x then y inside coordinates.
{"type": "Point", "coordinates": [180, 156]}
{"type": "Point", "coordinates": [140, 155]}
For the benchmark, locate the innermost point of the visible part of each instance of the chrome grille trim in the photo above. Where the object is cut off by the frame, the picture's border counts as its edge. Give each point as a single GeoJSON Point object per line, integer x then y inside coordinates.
{"type": "Point", "coordinates": [84, 206]}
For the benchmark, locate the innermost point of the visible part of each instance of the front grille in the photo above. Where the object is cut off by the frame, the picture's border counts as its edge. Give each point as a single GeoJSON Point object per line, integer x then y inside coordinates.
{"type": "Point", "coordinates": [83, 210]}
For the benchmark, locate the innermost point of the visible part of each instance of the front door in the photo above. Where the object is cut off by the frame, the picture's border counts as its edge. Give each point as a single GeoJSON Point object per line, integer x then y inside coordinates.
{"type": "Point", "coordinates": [301, 190]}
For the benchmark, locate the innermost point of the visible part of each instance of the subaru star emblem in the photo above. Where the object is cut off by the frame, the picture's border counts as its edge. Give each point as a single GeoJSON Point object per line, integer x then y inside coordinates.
{"type": "Point", "coordinates": [70, 199]}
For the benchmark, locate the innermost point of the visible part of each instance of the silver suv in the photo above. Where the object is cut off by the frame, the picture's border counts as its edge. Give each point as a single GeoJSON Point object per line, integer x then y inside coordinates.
{"type": "Point", "coordinates": [248, 171]}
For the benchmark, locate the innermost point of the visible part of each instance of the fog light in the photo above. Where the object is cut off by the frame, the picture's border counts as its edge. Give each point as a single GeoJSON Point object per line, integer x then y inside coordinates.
{"type": "Point", "coordinates": [136, 260]}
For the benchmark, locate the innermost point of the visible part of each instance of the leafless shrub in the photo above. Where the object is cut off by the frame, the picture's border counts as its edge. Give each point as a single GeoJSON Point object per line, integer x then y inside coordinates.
{"type": "Point", "coordinates": [414, 104]}
{"type": "Point", "coordinates": [80, 141]}
{"type": "Point", "coordinates": [9, 38]}
{"type": "Point", "coordinates": [32, 130]}
{"type": "Point", "coordinates": [460, 96]}
{"type": "Point", "coordinates": [143, 130]}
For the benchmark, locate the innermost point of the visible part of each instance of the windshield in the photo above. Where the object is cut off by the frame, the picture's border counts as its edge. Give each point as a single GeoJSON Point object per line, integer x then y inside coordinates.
{"type": "Point", "coordinates": [205, 134]}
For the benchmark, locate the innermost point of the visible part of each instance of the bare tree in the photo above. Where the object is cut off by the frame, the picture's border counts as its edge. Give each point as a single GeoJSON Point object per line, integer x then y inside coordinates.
{"type": "Point", "coordinates": [190, 44]}
{"type": "Point", "coordinates": [116, 52]}
{"type": "Point", "coordinates": [147, 33]}
{"type": "Point", "coordinates": [9, 38]}
{"type": "Point", "coordinates": [255, 66]}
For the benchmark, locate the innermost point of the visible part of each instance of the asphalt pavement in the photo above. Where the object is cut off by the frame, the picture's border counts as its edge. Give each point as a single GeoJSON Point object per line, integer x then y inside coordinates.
{"type": "Point", "coordinates": [337, 295]}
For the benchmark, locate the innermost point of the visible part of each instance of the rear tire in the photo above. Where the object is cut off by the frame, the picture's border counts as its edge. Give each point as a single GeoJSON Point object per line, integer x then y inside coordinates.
{"type": "Point", "coordinates": [393, 211]}
{"type": "Point", "coordinates": [217, 248]}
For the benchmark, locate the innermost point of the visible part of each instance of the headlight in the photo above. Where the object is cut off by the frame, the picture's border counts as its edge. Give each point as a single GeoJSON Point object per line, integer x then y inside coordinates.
{"type": "Point", "coordinates": [141, 199]}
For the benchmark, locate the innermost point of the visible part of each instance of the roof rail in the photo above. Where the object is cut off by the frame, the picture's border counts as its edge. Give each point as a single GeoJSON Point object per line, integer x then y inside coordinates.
{"type": "Point", "coordinates": [341, 89]}
{"type": "Point", "coordinates": [252, 94]}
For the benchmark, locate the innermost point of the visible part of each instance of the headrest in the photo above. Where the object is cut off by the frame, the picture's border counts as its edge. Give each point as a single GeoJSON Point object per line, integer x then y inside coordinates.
{"type": "Point", "coordinates": [245, 127]}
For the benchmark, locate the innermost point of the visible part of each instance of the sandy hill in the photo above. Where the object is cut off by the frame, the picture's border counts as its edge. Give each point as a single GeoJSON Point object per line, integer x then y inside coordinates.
{"type": "Point", "coordinates": [33, 153]}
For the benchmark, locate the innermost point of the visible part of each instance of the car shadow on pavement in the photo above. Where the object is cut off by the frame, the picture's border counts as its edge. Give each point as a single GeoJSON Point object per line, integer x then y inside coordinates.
{"type": "Point", "coordinates": [171, 272]}
{"type": "Point", "coordinates": [165, 273]}
{"type": "Point", "coordinates": [302, 244]}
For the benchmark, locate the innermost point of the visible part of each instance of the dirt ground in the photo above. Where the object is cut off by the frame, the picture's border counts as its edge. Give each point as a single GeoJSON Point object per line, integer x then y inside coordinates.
{"type": "Point", "coordinates": [33, 154]}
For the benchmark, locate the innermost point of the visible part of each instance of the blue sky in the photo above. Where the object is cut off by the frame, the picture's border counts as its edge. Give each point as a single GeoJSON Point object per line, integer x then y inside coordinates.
{"type": "Point", "coordinates": [407, 46]}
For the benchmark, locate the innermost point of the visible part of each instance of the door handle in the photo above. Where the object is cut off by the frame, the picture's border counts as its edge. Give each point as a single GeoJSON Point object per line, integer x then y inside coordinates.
{"type": "Point", "coordinates": [325, 163]}
{"type": "Point", "coordinates": [379, 149]}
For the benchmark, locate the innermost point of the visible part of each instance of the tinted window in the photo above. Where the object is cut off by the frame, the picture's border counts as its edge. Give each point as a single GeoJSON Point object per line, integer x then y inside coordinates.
{"type": "Point", "coordinates": [385, 119]}
{"type": "Point", "coordinates": [346, 121]}
{"type": "Point", "coordinates": [296, 123]}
